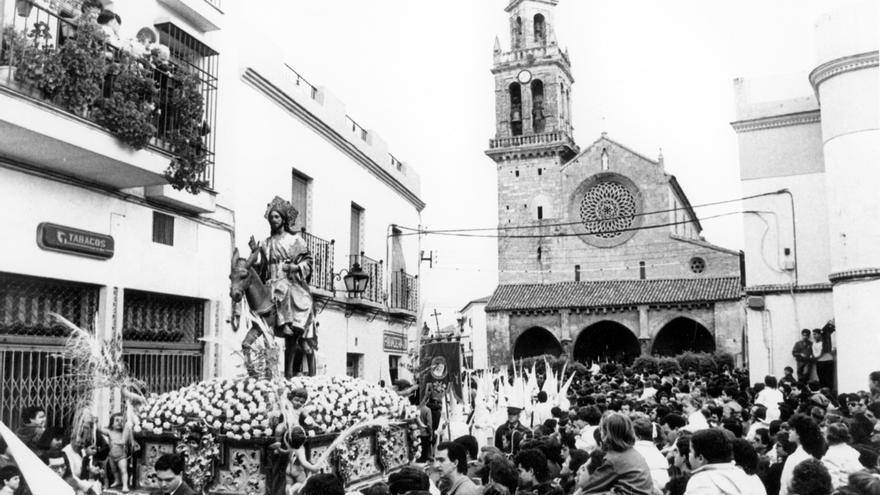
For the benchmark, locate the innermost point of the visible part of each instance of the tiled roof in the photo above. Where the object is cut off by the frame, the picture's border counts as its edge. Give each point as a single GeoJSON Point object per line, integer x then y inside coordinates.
{"type": "Point", "coordinates": [609, 293]}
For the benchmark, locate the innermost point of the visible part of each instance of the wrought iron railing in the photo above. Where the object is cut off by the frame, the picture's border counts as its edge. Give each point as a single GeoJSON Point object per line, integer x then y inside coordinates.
{"type": "Point", "coordinates": [152, 317]}
{"type": "Point", "coordinates": [404, 291]}
{"type": "Point", "coordinates": [322, 260]}
{"type": "Point", "coordinates": [53, 31]}
{"type": "Point", "coordinates": [372, 268]}
{"type": "Point", "coordinates": [166, 370]}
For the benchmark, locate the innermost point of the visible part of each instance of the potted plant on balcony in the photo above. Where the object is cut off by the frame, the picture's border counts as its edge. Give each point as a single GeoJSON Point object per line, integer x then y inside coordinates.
{"type": "Point", "coordinates": [129, 109]}
{"type": "Point", "coordinates": [11, 45]}
{"type": "Point", "coordinates": [23, 7]}
{"type": "Point", "coordinates": [36, 66]}
{"type": "Point", "coordinates": [84, 65]}
{"type": "Point", "coordinates": [186, 107]}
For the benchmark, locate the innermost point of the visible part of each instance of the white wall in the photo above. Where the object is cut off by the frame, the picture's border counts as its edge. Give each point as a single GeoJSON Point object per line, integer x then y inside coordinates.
{"type": "Point", "coordinates": [475, 327]}
{"type": "Point", "coordinates": [773, 331]}
{"type": "Point", "coordinates": [196, 266]}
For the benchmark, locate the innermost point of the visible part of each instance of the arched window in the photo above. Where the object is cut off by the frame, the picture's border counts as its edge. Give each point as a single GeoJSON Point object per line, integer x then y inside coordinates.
{"type": "Point", "coordinates": [540, 30]}
{"type": "Point", "coordinates": [538, 105]}
{"type": "Point", "coordinates": [515, 109]}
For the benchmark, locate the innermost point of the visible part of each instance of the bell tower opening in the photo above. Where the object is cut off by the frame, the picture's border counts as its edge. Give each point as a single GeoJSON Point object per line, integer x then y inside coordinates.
{"type": "Point", "coordinates": [517, 34]}
{"type": "Point", "coordinates": [515, 109]}
{"type": "Point", "coordinates": [538, 106]}
{"type": "Point", "coordinates": [540, 30]}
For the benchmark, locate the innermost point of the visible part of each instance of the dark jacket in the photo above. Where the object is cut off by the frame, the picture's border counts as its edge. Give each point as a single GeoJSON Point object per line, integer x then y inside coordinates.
{"type": "Point", "coordinates": [802, 350]}
{"type": "Point", "coordinates": [183, 489]}
{"type": "Point", "coordinates": [624, 472]}
{"type": "Point", "coordinates": [508, 438]}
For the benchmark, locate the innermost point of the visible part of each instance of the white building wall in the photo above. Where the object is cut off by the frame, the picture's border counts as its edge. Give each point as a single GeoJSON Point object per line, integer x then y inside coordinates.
{"type": "Point", "coordinates": [266, 143]}
{"type": "Point", "coordinates": [475, 330]}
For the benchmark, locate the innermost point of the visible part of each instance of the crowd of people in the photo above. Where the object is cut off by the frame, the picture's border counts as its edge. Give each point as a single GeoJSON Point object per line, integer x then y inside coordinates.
{"type": "Point", "coordinates": [668, 433]}
{"type": "Point", "coordinates": [628, 433]}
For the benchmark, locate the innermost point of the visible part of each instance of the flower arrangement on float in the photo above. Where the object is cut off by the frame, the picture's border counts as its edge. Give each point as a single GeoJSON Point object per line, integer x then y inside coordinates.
{"type": "Point", "coordinates": [241, 408]}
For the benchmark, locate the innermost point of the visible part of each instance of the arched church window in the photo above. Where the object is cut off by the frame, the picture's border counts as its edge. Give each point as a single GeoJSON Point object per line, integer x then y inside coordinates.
{"type": "Point", "coordinates": [515, 109]}
{"type": "Point", "coordinates": [540, 30]}
{"type": "Point", "coordinates": [538, 105]}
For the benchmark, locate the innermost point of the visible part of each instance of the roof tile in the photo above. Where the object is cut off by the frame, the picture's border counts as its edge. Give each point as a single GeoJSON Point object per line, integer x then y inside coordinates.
{"type": "Point", "coordinates": [607, 293]}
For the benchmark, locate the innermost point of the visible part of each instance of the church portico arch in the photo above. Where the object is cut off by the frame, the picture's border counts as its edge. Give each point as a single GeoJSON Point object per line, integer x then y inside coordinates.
{"type": "Point", "coordinates": [536, 341]}
{"type": "Point", "coordinates": [606, 340]}
{"type": "Point", "coordinates": [681, 334]}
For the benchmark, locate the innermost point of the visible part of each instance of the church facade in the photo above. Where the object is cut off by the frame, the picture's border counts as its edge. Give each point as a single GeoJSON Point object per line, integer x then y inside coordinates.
{"type": "Point", "coordinates": [599, 251]}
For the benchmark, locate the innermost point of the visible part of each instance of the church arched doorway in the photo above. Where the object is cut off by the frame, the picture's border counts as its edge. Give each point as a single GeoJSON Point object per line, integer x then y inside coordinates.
{"type": "Point", "coordinates": [606, 341]}
{"type": "Point", "coordinates": [683, 334]}
{"type": "Point", "coordinates": [536, 341]}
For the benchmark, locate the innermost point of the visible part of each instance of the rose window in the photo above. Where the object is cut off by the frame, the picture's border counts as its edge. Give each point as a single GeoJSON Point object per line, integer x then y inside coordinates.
{"type": "Point", "coordinates": [608, 209]}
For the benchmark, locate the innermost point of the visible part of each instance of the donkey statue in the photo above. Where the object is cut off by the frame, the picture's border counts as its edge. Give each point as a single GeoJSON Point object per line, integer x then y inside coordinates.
{"type": "Point", "coordinates": [245, 282]}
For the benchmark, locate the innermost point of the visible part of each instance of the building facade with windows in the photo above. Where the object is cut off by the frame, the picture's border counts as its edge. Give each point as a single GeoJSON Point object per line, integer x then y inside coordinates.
{"type": "Point", "coordinates": [600, 254]}
{"type": "Point", "coordinates": [295, 140]}
{"type": "Point", "coordinates": [811, 249]}
{"type": "Point", "coordinates": [92, 229]}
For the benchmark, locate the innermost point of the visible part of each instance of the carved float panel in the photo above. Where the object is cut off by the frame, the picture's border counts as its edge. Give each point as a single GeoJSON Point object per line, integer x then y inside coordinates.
{"type": "Point", "coordinates": [150, 452]}
{"type": "Point", "coordinates": [242, 474]}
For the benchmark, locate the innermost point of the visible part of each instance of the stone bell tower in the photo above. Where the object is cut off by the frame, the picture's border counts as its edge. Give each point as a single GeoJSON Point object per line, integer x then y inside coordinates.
{"type": "Point", "coordinates": [533, 137]}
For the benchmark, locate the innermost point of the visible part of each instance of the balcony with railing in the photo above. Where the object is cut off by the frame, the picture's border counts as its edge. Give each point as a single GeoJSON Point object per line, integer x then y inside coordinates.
{"type": "Point", "coordinates": [404, 294]}
{"type": "Point", "coordinates": [322, 261]}
{"type": "Point", "coordinates": [374, 269]}
{"type": "Point", "coordinates": [75, 102]}
{"type": "Point", "coordinates": [529, 139]}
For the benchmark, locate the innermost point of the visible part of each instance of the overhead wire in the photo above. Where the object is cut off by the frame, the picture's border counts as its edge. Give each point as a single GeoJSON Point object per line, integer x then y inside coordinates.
{"type": "Point", "coordinates": [565, 224]}
{"type": "Point", "coordinates": [463, 233]}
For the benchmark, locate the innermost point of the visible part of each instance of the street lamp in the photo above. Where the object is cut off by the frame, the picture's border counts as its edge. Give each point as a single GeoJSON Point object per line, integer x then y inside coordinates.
{"type": "Point", "coordinates": [355, 280]}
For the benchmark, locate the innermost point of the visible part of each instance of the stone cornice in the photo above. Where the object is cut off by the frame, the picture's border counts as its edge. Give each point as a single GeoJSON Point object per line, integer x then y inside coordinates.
{"type": "Point", "coordinates": [790, 119]}
{"type": "Point", "coordinates": [853, 275]}
{"type": "Point", "coordinates": [277, 95]}
{"type": "Point", "coordinates": [770, 289]}
{"type": "Point", "coordinates": [842, 65]}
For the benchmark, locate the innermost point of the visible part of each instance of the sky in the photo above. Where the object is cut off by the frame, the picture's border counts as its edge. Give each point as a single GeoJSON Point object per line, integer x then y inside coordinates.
{"type": "Point", "coordinates": [652, 74]}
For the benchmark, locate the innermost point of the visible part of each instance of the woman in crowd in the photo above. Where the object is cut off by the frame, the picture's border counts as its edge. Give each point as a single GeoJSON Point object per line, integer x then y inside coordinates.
{"type": "Point", "coordinates": [623, 469]}
{"type": "Point", "coordinates": [841, 460]}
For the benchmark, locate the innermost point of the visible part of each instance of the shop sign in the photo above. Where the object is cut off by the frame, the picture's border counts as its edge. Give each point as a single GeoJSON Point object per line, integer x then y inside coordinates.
{"type": "Point", "coordinates": [394, 342]}
{"type": "Point", "coordinates": [74, 241]}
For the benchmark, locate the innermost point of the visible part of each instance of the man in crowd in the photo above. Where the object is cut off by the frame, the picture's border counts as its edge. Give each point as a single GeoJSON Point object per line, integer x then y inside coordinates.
{"type": "Point", "coordinates": [803, 356]}
{"type": "Point", "coordinates": [33, 426]}
{"type": "Point", "coordinates": [509, 435]}
{"type": "Point", "coordinates": [169, 474]}
{"type": "Point", "coordinates": [713, 473]}
{"type": "Point", "coordinates": [451, 462]}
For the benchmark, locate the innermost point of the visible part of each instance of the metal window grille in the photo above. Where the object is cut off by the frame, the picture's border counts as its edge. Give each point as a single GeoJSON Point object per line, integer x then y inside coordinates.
{"type": "Point", "coordinates": [404, 291]}
{"type": "Point", "coordinates": [194, 57]}
{"type": "Point", "coordinates": [373, 268]}
{"type": "Point", "coordinates": [166, 370]}
{"type": "Point", "coordinates": [25, 304]}
{"type": "Point", "coordinates": [36, 376]}
{"type": "Point", "coordinates": [163, 228]}
{"type": "Point", "coordinates": [153, 317]}
{"type": "Point", "coordinates": [32, 371]}
{"type": "Point", "coordinates": [322, 260]}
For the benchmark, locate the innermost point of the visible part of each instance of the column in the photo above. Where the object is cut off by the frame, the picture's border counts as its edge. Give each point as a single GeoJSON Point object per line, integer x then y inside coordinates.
{"type": "Point", "coordinates": [846, 82]}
